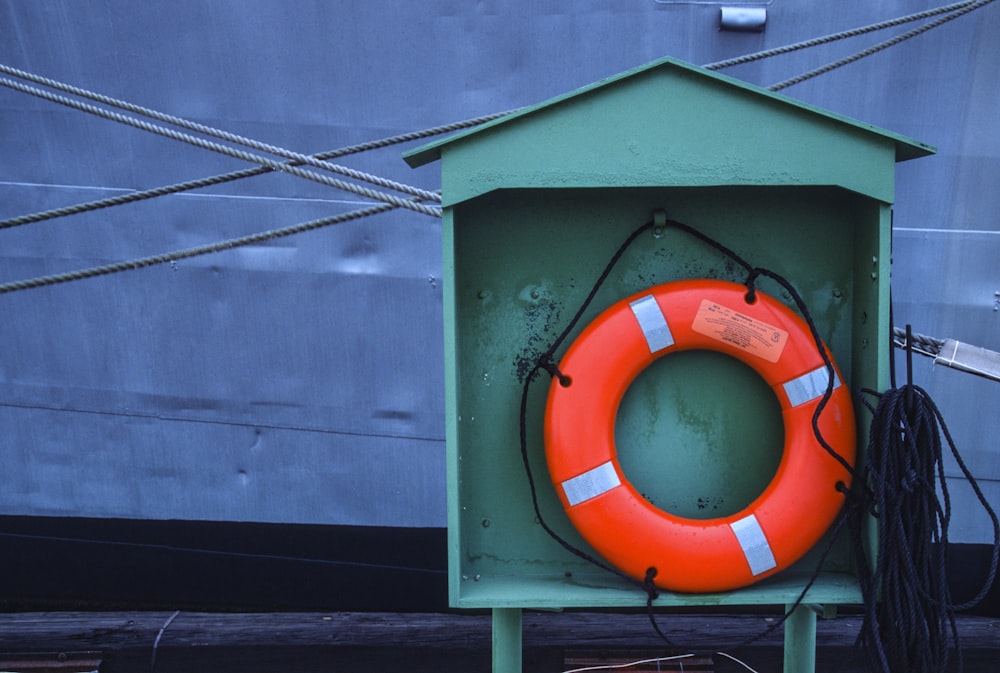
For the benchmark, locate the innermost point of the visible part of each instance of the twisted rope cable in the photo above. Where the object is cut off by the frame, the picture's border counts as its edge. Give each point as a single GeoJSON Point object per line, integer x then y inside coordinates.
{"type": "Point", "coordinates": [826, 39]}
{"type": "Point", "coordinates": [297, 157]}
{"type": "Point", "coordinates": [229, 244]}
{"type": "Point", "coordinates": [200, 183]}
{"type": "Point", "coordinates": [969, 7]}
{"type": "Point", "coordinates": [925, 345]}
{"type": "Point", "coordinates": [966, 6]}
{"type": "Point", "coordinates": [957, 9]}
{"type": "Point", "coordinates": [222, 149]}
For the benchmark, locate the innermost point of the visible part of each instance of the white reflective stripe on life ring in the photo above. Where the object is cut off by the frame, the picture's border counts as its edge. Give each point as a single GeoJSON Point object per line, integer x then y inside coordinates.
{"type": "Point", "coordinates": [754, 544]}
{"type": "Point", "coordinates": [809, 386]}
{"type": "Point", "coordinates": [591, 483]}
{"type": "Point", "coordinates": [652, 323]}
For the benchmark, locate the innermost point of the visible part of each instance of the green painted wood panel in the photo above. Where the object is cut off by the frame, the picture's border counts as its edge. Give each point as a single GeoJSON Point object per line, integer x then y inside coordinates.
{"type": "Point", "coordinates": [536, 203]}
{"type": "Point", "coordinates": [669, 124]}
{"type": "Point", "coordinates": [520, 263]}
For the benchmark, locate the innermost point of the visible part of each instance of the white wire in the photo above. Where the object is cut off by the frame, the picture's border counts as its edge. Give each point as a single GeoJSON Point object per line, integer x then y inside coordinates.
{"type": "Point", "coordinates": [741, 663]}
{"type": "Point", "coordinates": [156, 643]}
{"type": "Point", "coordinates": [607, 667]}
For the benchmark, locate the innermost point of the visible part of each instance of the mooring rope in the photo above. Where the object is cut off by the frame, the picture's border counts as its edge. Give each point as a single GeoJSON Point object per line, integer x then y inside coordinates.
{"type": "Point", "coordinates": [260, 237]}
{"type": "Point", "coordinates": [921, 343]}
{"type": "Point", "coordinates": [320, 159]}
{"type": "Point", "coordinates": [223, 178]}
{"type": "Point", "coordinates": [971, 6]}
{"type": "Point", "coordinates": [834, 37]}
{"type": "Point", "coordinates": [295, 157]}
{"type": "Point", "coordinates": [223, 149]}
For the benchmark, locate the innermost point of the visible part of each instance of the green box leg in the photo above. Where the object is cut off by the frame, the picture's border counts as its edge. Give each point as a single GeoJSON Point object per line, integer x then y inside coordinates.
{"type": "Point", "coordinates": [800, 640]}
{"type": "Point", "coordinates": [506, 640]}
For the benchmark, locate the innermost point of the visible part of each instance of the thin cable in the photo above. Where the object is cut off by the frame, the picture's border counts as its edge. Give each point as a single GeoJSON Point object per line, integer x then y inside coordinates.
{"type": "Point", "coordinates": [131, 197]}
{"type": "Point", "coordinates": [220, 553]}
{"type": "Point", "coordinates": [738, 661]}
{"type": "Point", "coordinates": [177, 255]}
{"type": "Point", "coordinates": [222, 149]}
{"type": "Point", "coordinates": [296, 157]}
{"type": "Point", "coordinates": [630, 664]}
{"type": "Point", "coordinates": [969, 7]}
{"type": "Point", "coordinates": [545, 362]}
{"type": "Point", "coordinates": [156, 643]}
{"type": "Point", "coordinates": [827, 362]}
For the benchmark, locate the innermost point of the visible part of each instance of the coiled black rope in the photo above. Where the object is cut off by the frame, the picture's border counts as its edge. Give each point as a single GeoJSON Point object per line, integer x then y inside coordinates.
{"type": "Point", "coordinates": [909, 623]}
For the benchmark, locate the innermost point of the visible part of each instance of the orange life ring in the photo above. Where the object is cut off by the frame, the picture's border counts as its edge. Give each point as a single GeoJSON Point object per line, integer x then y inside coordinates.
{"type": "Point", "coordinates": [690, 555]}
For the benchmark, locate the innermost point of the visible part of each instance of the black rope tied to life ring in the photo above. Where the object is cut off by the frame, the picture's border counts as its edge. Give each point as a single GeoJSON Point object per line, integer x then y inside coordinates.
{"type": "Point", "coordinates": [546, 362]}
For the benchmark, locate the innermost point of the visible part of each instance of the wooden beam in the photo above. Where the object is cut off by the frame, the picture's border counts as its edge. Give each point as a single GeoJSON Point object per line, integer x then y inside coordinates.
{"type": "Point", "coordinates": [88, 631]}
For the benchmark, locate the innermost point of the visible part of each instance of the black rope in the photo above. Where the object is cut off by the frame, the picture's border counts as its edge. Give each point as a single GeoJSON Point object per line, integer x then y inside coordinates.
{"type": "Point", "coordinates": [827, 361]}
{"type": "Point", "coordinates": [546, 362]}
{"type": "Point", "coordinates": [909, 622]}
{"type": "Point", "coordinates": [834, 532]}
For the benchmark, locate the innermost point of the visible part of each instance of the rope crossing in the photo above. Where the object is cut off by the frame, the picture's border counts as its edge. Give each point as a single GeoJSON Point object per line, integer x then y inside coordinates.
{"type": "Point", "coordinates": [133, 197]}
{"type": "Point", "coordinates": [294, 160]}
{"type": "Point", "coordinates": [229, 151]}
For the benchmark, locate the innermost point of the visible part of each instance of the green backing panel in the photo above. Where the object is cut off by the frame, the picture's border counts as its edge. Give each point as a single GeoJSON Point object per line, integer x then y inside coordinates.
{"type": "Point", "coordinates": [518, 264]}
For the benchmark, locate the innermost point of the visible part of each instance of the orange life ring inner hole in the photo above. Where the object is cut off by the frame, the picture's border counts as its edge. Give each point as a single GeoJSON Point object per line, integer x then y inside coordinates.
{"type": "Point", "coordinates": [699, 434]}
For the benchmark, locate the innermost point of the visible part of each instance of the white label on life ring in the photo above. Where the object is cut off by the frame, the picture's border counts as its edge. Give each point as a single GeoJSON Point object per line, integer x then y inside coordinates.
{"type": "Point", "coordinates": [739, 330]}
{"type": "Point", "coordinates": [809, 386]}
{"type": "Point", "coordinates": [591, 483]}
{"type": "Point", "coordinates": [754, 544]}
{"type": "Point", "coordinates": [652, 323]}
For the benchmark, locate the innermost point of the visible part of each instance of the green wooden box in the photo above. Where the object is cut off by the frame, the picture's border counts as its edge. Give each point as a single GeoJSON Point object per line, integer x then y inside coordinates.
{"type": "Point", "coordinates": [535, 204]}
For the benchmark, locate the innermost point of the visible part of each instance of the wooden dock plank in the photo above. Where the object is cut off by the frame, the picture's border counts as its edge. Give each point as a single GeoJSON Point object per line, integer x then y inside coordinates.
{"type": "Point", "coordinates": [339, 641]}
